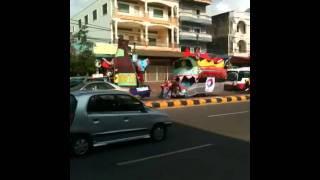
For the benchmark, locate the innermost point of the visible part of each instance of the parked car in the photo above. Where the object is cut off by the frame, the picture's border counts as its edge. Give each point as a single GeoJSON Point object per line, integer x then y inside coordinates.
{"type": "Point", "coordinates": [103, 117]}
{"type": "Point", "coordinates": [97, 85]}
{"type": "Point", "coordinates": [76, 80]}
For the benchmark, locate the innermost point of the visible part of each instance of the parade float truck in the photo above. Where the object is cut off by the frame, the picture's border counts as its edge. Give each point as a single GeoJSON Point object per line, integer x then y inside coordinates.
{"type": "Point", "coordinates": [119, 67]}
{"type": "Point", "coordinates": [193, 70]}
{"type": "Point", "coordinates": [238, 79]}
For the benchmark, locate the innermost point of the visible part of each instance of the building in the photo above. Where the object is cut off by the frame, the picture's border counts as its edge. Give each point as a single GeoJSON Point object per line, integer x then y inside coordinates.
{"type": "Point", "coordinates": [98, 18]}
{"type": "Point", "coordinates": [194, 23]}
{"type": "Point", "coordinates": [230, 34]}
{"type": "Point", "coordinates": [151, 26]}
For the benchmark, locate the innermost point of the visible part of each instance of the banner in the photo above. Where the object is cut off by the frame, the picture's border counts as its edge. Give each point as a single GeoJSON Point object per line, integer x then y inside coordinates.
{"type": "Point", "coordinates": [127, 79]}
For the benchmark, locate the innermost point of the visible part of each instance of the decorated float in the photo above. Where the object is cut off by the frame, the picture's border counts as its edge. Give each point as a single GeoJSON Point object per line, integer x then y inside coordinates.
{"type": "Point", "coordinates": [192, 70]}
{"type": "Point", "coordinates": [121, 67]}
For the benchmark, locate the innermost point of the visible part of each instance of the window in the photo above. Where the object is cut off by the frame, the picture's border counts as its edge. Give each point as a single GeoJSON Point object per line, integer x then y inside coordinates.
{"type": "Point", "coordinates": [152, 41]}
{"type": "Point", "coordinates": [185, 28]}
{"type": "Point", "coordinates": [103, 86]}
{"type": "Point", "coordinates": [241, 27]}
{"type": "Point", "coordinates": [242, 46]}
{"type": "Point", "coordinates": [158, 13]}
{"type": "Point", "coordinates": [136, 10]}
{"type": "Point", "coordinates": [198, 12]}
{"type": "Point", "coordinates": [105, 9]}
{"type": "Point", "coordinates": [101, 103]}
{"type": "Point", "coordinates": [94, 14]}
{"type": "Point", "coordinates": [79, 22]}
{"type": "Point", "coordinates": [232, 76]}
{"type": "Point", "coordinates": [123, 7]}
{"type": "Point", "coordinates": [197, 30]}
{"type": "Point", "coordinates": [128, 103]}
{"type": "Point", "coordinates": [243, 74]}
{"type": "Point", "coordinates": [86, 19]}
{"type": "Point", "coordinates": [91, 87]}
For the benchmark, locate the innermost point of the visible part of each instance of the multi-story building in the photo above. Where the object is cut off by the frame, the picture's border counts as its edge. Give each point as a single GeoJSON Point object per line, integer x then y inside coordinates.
{"type": "Point", "coordinates": [194, 23]}
{"type": "Point", "coordinates": [230, 34]}
{"type": "Point", "coordinates": [151, 26]}
{"type": "Point", "coordinates": [98, 19]}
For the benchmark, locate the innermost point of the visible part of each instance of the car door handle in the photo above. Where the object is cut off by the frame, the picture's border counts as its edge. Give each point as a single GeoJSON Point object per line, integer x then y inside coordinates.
{"type": "Point", "coordinates": [126, 119]}
{"type": "Point", "coordinates": [96, 121]}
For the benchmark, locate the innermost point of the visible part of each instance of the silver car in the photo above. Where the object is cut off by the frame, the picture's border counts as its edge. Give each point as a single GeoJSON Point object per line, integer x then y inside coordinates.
{"type": "Point", "coordinates": [99, 118]}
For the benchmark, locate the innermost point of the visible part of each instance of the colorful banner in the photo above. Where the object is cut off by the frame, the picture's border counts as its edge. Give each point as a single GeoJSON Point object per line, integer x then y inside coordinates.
{"type": "Point", "coordinates": [127, 79]}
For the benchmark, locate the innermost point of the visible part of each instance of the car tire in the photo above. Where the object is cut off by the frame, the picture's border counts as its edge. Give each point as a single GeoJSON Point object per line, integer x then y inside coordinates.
{"type": "Point", "coordinates": [158, 133]}
{"type": "Point", "coordinates": [80, 145]}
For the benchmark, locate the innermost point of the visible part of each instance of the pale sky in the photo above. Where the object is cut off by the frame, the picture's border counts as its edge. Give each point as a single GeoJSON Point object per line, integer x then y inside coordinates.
{"type": "Point", "coordinates": [217, 7]}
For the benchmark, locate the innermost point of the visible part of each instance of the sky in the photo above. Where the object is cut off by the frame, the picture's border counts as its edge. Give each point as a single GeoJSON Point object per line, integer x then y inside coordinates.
{"type": "Point", "coordinates": [217, 7]}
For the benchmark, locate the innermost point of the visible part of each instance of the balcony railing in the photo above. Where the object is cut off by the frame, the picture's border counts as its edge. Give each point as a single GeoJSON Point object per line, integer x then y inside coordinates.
{"type": "Point", "coordinates": [188, 16]}
{"type": "Point", "coordinates": [145, 18]}
{"type": "Point", "coordinates": [153, 44]}
{"type": "Point", "coordinates": [204, 37]}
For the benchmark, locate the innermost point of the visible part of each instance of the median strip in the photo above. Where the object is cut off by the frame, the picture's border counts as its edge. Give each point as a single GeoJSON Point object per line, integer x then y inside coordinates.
{"type": "Point", "coordinates": [173, 103]}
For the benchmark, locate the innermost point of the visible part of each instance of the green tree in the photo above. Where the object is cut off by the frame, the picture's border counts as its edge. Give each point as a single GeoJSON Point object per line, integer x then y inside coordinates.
{"type": "Point", "coordinates": [82, 63]}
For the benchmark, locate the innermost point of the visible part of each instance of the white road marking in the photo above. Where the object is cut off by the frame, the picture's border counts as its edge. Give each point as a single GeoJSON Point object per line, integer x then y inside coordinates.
{"type": "Point", "coordinates": [162, 155]}
{"type": "Point", "coordinates": [241, 112]}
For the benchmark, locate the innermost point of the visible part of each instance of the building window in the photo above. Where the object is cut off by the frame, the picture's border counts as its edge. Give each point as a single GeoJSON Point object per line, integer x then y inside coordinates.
{"type": "Point", "coordinates": [242, 46]}
{"type": "Point", "coordinates": [198, 12]}
{"type": "Point", "coordinates": [241, 27]}
{"type": "Point", "coordinates": [136, 10]}
{"type": "Point", "coordinates": [123, 7]}
{"type": "Point", "coordinates": [152, 41]}
{"type": "Point", "coordinates": [158, 13]}
{"type": "Point", "coordinates": [94, 14]}
{"type": "Point", "coordinates": [185, 28]}
{"type": "Point", "coordinates": [79, 22]}
{"type": "Point", "coordinates": [105, 9]}
{"type": "Point", "coordinates": [197, 30]}
{"type": "Point", "coordinates": [86, 19]}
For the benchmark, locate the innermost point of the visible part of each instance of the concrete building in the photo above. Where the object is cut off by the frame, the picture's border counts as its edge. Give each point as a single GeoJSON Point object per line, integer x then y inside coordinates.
{"type": "Point", "coordinates": [98, 18]}
{"type": "Point", "coordinates": [194, 22]}
{"type": "Point", "coordinates": [151, 26]}
{"type": "Point", "coordinates": [230, 34]}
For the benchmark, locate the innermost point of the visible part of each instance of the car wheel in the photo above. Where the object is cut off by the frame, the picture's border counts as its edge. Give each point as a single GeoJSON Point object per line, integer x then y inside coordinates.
{"type": "Point", "coordinates": [158, 133]}
{"type": "Point", "coordinates": [81, 145]}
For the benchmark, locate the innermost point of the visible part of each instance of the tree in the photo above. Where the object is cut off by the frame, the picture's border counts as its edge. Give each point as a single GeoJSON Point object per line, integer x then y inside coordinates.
{"type": "Point", "coordinates": [82, 63]}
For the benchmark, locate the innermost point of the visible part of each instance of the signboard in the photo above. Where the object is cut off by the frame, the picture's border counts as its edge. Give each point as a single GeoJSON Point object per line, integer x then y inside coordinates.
{"type": "Point", "coordinates": [210, 84]}
{"type": "Point", "coordinates": [104, 48]}
{"type": "Point", "coordinates": [127, 79]}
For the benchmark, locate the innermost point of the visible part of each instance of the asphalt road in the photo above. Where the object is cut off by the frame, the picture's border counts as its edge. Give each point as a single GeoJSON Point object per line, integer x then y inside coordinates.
{"type": "Point", "coordinates": [206, 142]}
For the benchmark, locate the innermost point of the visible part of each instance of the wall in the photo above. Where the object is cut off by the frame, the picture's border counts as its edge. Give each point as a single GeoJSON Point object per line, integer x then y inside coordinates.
{"type": "Point", "coordinates": [99, 28]}
{"type": "Point", "coordinates": [219, 31]}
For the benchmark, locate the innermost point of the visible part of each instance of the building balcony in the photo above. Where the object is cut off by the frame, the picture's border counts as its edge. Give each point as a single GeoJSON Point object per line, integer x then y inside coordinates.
{"type": "Point", "coordinates": [190, 17]}
{"type": "Point", "coordinates": [193, 36]}
{"type": "Point", "coordinates": [155, 46]}
{"type": "Point", "coordinates": [144, 17]}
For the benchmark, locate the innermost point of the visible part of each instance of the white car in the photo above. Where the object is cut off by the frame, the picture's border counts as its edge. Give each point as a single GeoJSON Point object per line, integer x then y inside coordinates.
{"type": "Point", "coordinates": [98, 85]}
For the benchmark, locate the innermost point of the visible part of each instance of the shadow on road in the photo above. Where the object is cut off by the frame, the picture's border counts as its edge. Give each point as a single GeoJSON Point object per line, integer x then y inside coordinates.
{"type": "Point", "coordinates": [226, 159]}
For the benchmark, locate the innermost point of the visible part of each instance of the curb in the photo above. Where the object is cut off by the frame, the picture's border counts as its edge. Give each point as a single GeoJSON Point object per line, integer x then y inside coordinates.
{"type": "Point", "coordinates": [196, 101]}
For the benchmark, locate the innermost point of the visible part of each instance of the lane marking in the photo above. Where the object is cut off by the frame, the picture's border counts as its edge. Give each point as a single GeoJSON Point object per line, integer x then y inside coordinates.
{"type": "Point", "coordinates": [162, 155]}
{"type": "Point", "coordinates": [240, 112]}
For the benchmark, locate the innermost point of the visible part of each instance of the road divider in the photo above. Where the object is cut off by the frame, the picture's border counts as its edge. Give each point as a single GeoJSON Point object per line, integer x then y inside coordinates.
{"type": "Point", "coordinates": [171, 103]}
